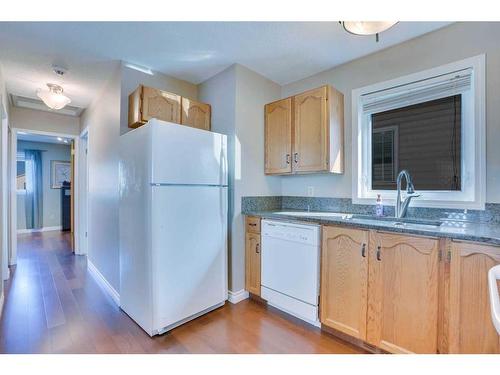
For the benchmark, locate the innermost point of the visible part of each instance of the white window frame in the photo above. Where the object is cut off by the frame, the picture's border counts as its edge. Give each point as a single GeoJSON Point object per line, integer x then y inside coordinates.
{"type": "Point", "coordinates": [395, 151]}
{"type": "Point", "coordinates": [473, 181]}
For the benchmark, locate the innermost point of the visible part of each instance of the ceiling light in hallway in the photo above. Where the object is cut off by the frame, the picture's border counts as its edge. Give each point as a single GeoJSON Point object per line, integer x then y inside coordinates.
{"type": "Point", "coordinates": [367, 27]}
{"type": "Point", "coordinates": [54, 97]}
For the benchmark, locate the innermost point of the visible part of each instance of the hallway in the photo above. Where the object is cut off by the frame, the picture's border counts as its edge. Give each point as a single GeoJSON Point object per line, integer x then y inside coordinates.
{"type": "Point", "coordinates": [53, 305]}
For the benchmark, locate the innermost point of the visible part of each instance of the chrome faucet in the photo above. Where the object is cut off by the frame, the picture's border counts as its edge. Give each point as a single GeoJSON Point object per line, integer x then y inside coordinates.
{"type": "Point", "coordinates": [402, 205]}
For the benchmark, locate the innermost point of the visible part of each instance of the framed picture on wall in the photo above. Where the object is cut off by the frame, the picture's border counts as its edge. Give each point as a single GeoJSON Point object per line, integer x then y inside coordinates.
{"type": "Point", "coordinates": [60, 172]}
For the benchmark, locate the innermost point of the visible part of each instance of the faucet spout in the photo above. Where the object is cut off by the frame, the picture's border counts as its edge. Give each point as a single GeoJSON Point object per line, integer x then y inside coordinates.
{"type": "Point", "coordinates": [402, 204]}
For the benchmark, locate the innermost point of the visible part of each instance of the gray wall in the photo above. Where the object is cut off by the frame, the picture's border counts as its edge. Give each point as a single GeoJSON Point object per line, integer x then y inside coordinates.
{"type": "Point", "coordinates": [4, 226]}
{"type": "Point", "coordinates": [455, 42]}
{"type": "Point", "coordinates": [103, 120]}
{"type": "Point", "coordinates": [51, 197]}
{"type": "Point", "coordinates": [238, 96]}
{"type": "Point", "coordinates": [32, 119]}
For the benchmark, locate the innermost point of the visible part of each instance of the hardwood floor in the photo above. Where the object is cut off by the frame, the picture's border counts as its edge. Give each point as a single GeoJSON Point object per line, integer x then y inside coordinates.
{"type": "Point", "coordinates": [52, 305]}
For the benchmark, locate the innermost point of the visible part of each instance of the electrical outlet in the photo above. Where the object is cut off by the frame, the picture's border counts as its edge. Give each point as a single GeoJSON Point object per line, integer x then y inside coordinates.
{"type": "Point", "coordinates": [310, 191]}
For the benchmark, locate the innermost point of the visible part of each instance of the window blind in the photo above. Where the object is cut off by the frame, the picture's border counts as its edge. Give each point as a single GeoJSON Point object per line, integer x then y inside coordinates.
{"type": "Point", "coordinates": [417, 92]}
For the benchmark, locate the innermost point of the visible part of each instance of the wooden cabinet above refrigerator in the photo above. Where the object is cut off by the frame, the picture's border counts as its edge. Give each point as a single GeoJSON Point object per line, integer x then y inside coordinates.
{"type": "Point", "coordinates": [146, 103]}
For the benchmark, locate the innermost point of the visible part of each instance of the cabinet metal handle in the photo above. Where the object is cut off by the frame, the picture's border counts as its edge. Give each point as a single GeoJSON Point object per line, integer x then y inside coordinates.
{"type": "Point", "coordinates": [363, 250]}
{"type": "Point", "coordinates": [296, 157]}
{"type": "Point", "coordinates": [257, 248]}
{"type": "Point", "coordinates": [378, 254]}
{"type": "Point", "coordinates": [252, 224]}
{"type": "Point", "coordinates": [288, 158]}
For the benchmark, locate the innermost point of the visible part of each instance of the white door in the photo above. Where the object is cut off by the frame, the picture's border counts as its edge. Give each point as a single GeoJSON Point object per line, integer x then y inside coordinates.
{"type": "Point", "coordinates": [189, 251]}
{"type": "Point", "coordinates": [185, 155]}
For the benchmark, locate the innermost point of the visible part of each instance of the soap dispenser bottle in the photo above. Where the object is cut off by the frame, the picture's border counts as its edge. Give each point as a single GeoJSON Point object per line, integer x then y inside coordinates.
{"type": "Point", "coordinates": [379, 207]}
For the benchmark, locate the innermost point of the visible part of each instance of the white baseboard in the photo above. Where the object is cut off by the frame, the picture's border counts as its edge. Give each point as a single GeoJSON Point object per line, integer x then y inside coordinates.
{"type": "Point", "coordinates": [44, 229]}
{"type": "Point", "coordinates": [103, 283]}
{"type": "Point", "coordinates": [7, 274]}
{"type": "Point", "coordinates": [235, 297]}
{"type": "Point", "coordinates": [1, 303]}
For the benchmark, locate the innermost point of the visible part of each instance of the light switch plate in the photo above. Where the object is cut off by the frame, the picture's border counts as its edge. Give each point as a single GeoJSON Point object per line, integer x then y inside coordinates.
{"type": "Point", "coordinates": [310, 191]}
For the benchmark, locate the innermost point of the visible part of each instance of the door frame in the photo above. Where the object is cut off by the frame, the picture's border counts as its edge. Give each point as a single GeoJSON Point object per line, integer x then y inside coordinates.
{"type": "Point", "coordinates": [83, 195]}
{"type": "Point", "coordinates": [13, 188]}
{"type": "Point", "coordinates": [4, 198]}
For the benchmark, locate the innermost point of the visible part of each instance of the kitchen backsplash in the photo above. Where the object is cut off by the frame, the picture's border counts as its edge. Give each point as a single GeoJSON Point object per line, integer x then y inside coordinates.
{"type": "Point", "coordinates": [491, 214]}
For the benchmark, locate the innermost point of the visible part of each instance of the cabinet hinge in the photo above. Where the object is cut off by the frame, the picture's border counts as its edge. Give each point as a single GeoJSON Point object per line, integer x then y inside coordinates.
{"type": "Point", "coordinates": [440, 255]}
{"type": "Point", "coordinates": [448, 256]}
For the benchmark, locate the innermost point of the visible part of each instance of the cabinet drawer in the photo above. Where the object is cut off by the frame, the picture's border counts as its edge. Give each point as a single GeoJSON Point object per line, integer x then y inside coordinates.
{"type": "Point", "coordinates": [253, 224]}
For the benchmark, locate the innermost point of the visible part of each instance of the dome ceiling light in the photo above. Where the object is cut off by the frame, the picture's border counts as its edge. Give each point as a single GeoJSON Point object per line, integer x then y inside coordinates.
{"type": "Point", "coordinates": [367, 27]}
{"type": "Point", "coordinates": [54, 97]}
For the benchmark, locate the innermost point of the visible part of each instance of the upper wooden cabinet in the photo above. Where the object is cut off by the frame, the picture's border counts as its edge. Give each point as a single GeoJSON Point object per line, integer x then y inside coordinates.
{"type": "Point", "coordinates": [470, 328]}
{"type": "Point", "coordinates": [278, 137]}
{"type": "Point", "coordinates": [146, 103]}
{"type": "Point", "coordinates": [403, 293]}
{"type": "Point", "coordinates": [317, 133]}
{"type": "Point", "coordinates": [344, 280]}
{"type": "Point", "coordinates": [195, 114]}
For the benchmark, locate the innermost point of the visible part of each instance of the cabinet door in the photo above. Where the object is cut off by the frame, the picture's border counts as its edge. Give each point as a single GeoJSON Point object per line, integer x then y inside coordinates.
{"type": "Point", "coordinates": [310, 146]}
{"type": "Point", "coordinates": [403, 293]}
{"type": "Point", "coordinates": [278, 137]}
{"type": "Point", "coordinates": [161, 105]}
{"type": "Point", "coordinates": [471, 329]}
{"type": "Point", "coordinates": [344, 280]}
{"type": "Point", "coordinates": [252, 263]}
{"type": "Point", "coordinates": [195, 114]}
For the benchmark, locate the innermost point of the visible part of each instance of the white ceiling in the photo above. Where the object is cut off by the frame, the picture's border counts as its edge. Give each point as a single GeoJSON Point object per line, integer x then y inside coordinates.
{"type": "Point", "coordinates": [194, 51]}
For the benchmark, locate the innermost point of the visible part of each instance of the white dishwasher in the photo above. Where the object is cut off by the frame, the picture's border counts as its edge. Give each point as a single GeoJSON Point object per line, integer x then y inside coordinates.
{"type": "Point", "coordinates": [290, 268]}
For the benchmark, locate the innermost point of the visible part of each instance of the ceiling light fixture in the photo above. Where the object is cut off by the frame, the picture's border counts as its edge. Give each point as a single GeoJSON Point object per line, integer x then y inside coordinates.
{"type": "Point", "coordinates": [139, 68]}
{"type": "Point", "coordinates": [367, 27]}
{"type": "Point", "coordinates": [54, 97]}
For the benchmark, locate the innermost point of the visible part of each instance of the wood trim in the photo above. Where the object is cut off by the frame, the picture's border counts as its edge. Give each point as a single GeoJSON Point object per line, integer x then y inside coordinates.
{"type": "Point", "coordinates": [72, 197]}
{"type": "Point", "coordinates": [134, 108]}
{"type": "Point", "coordinates": [335, 108]}
{"type": "Point", "coordinates": [358, 343]}
{"type": "Point", "coordinates": [444, 296]}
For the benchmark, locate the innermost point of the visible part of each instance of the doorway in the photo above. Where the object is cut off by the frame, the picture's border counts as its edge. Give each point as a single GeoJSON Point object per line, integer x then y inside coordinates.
{"type": "Point", "coordinates": [43, 187]}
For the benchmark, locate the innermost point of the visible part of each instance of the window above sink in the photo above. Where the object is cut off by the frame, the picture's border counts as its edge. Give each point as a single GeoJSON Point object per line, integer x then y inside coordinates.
{"type": "Point", "coordinates": [431, 123]}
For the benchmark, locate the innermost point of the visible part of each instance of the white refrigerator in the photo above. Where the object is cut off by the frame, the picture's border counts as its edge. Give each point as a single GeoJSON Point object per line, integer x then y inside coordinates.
{"type": "Point", "coordinates": [173, 224]}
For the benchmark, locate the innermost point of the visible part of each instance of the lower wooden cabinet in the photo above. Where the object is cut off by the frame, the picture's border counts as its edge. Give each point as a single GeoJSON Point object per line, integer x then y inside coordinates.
{"type": "Point", "coordinates": [470, 328]}
{"type": "Point", "coordinates": [409, 294]}
{"type": "Point", "coordinates": [252, 257]}
{"type": "Point", "coordinates": [344, 280]}
{"type": "Point", "coordinates": [403, 293]}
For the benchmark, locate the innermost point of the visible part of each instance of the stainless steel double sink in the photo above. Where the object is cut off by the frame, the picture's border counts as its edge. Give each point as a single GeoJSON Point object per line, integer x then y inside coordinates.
{"type": "Point", "coordinates": [413, 223]}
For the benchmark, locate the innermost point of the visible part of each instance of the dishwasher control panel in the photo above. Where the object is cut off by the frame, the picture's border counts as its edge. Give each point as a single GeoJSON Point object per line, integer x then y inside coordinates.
{"type": "Point", "coordinates": [302, 233]}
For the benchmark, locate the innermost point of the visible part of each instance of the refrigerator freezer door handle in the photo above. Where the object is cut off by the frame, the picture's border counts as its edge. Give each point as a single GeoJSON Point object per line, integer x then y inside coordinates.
{"type": "Point", "coordinates": [223, 166]}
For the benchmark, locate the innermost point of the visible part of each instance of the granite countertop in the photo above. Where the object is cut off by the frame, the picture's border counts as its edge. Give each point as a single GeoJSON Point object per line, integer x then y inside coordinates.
{"type": "Point", "coordinates": [449, 228]}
